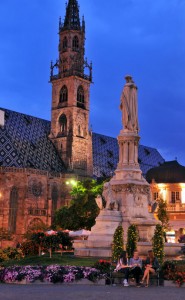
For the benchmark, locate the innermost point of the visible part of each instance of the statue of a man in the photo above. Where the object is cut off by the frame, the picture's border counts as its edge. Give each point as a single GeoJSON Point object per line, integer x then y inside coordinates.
{"type": "Point", "coordinates": [128, 105]}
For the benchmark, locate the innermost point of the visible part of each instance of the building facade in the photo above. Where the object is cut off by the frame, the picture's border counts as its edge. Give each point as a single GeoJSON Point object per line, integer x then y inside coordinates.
{"type": "Point", "coordinates": [168, 183]}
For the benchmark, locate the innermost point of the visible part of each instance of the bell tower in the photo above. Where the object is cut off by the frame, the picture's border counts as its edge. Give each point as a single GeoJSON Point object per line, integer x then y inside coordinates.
{"type": "Point", "coordinates": [70, 95]}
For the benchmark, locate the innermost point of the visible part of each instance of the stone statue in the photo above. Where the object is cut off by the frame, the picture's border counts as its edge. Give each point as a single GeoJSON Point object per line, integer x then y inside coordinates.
{"type": "Point", "coordinates": [128, 105]}
{"type": "Point", "coordinates": [111, 204]}
{"type": "Point", "coordinates": [99, 201]}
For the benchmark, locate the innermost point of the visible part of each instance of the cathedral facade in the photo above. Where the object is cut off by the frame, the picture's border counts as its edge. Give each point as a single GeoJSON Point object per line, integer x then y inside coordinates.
{"type": "Point", "coordinates": [38, 157]}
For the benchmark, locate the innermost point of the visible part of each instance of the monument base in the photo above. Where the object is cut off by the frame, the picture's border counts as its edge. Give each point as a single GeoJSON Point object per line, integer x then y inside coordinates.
{"type": "Point", "coordinates": [99, 243]}
{"type": "Point", "coordinates": [170, 250]}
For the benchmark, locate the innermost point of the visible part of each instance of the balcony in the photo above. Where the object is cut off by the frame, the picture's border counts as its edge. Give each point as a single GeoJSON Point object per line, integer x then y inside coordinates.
{"type": "Point", "coordinates": [71, 73]}
{"type": "Point", "coordinates": [176, 207]}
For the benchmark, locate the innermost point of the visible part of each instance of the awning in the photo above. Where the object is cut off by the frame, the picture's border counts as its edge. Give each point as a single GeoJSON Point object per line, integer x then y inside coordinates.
{"type": "Point", "coordinates": [81, 232]}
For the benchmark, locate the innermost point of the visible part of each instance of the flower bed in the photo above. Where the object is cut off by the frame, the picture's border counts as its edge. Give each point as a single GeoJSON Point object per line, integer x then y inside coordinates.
{"type": "Point", "coordinates": [172, 271]}
{"type": "Point", "coordinates": [50, 274]}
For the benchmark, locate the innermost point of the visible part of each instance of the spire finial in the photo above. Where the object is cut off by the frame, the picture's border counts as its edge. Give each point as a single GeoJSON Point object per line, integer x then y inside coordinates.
{"type": "Point", "coordinates": [72, 19]}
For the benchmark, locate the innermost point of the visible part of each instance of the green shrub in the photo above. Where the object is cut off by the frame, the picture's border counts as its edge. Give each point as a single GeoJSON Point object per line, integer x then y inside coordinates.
{"type": "Point", "coordinates": [3, 256]}
{"type": "Point", "coordinates": [103, 266]}
{"type": "Point", "coordinates": [117, 247]}
{"type": "Point", "coordinates": [10, 253]}
{"type": "Point", "coordinates": [158, 243]}
{"type": "Point", "coordinates": [132, 239]}
{"type": "Point", "coordinates": [29, 248]}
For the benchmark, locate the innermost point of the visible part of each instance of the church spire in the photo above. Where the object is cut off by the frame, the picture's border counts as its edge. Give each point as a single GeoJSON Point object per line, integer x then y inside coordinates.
{"type": "Point", "coordinates": [72, 19]}
{"type": "Point", "coordinates": [70, 95]}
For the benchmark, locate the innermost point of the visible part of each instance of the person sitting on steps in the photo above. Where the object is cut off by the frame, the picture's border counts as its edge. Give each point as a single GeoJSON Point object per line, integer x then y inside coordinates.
{"type": "Point", "coordinates": [122, 266]}
{"type": "Point", "coordinates": [136, 267]}
{"type": "Point", "coordinates": [151, 265]}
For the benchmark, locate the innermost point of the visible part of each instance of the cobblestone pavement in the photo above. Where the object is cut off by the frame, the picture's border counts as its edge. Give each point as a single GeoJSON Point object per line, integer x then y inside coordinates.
{"type": "Point", "coordinates": [77, 292]}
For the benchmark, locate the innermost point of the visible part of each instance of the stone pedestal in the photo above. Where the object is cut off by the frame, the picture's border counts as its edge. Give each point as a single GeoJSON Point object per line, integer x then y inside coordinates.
{"type": "Point", "coordinates": [101, 237]}
{"type": "Point", "coordinates": [128, 193]}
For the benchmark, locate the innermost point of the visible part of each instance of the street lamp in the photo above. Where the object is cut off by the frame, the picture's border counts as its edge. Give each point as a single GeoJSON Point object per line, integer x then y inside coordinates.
{"type": "Point", "coordinates": [71, 182]}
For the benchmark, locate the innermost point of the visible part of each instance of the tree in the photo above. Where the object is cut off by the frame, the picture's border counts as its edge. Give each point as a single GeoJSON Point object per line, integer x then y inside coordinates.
{"type": "Point", "coordinates": [158, 243]}
{"type": "Point", "coordinates": [162, 214]}
{"type": "Point", "coordinates": [51, 242]}
{"type": "Point", "coordinates": [117, 247]}
{"type": "Point", "coordinates": [83, 209]}
{"type": "Point", "coordinates": [132, 239]}
{"type": "Point", "coordinates": [38, 239]}
{"type": "Point", "coordinates": [35, 226]}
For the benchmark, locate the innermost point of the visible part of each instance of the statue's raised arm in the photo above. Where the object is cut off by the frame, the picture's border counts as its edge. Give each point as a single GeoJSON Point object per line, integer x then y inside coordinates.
{"type": "Point", "coordinates": [129, 105]}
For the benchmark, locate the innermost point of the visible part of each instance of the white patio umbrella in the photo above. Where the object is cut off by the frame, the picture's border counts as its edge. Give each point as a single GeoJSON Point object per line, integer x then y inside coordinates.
{"type": "Point", "coordinates": [81, 232]}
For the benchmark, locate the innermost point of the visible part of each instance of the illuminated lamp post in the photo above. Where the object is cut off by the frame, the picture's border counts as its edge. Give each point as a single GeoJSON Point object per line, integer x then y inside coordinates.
{"type": "Point", "coordinates": [70, 184]}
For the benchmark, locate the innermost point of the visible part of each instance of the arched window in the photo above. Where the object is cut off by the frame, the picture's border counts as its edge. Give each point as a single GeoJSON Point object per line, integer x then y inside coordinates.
{"type": "Point", "coordinates": [63, 94]}
{"type": "Point", "coordinates": [80, 97]}
{"type": "Point", "coordinates": [13, 210]}
{"type": "Point", "coordinates": [54, 197]}
{"type": "Point", "coordinates": [63, 124]}
{"type": "Point", "coordinates": [64, 44]}
{"type": "Point", "coordinates": [75, 45]}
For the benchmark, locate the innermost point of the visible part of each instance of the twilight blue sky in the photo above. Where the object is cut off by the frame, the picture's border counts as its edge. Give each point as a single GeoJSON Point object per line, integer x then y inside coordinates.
{"type": "Point", "coordinates": [144, 38]}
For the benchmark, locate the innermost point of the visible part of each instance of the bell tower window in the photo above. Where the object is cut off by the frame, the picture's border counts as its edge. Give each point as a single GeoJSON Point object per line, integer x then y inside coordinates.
{"type": "Point", "coordinates": [63, 125]}
{"type": "Point", "coordinates": [63, 94]}
{"type": "Point", "coordinates": [80, 97]}
{"type": "Point", "coordinates": [64, 44]}
{"type": "Point", "coordinates": [75, 45]}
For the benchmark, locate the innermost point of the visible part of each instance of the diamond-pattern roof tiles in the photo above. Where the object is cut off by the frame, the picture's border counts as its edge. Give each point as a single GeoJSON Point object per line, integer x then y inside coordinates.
{"type": "Point", "coordinates": [24, 143]}
{"type": "Point", "coordinates": [106, 156]}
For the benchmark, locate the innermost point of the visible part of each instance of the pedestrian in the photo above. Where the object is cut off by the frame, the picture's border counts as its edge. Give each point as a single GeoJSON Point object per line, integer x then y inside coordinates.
{"type": "Point", "coordinates": [122, 266]}
{"type": "Point", "coordinates": [135, 264]}
{"type": "Point", "coordinates": [151, 266]}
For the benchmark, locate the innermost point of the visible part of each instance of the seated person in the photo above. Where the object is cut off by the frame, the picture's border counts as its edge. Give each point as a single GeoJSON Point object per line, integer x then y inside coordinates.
{"type": "Point", "coordinates": [122, 266]}
{"type": "Point", "coordinates": [135, 264]}
{"type": "Point", "coordinates": [151, 265]}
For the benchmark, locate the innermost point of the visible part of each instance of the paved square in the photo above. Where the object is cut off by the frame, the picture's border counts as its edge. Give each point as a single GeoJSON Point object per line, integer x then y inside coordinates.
{"type": "Point", "coordinates": [78, 292]}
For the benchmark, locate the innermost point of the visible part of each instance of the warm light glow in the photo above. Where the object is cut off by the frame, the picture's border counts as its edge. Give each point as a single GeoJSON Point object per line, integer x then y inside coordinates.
{"type": "Point", "coordinates": [72, 182]}
{"type": "Point", "coordinates": [170, 235]}
{"type": "Point", "coordinates": [183, 195]}
{"type": "Point", "coordinates": [1, 195]}
{"type": "Point", "coordinates": [182, 185]}
{"type": "Point", "coordinates": [161, 185]}
{"type": "Point", "coordinates": [162, 190]}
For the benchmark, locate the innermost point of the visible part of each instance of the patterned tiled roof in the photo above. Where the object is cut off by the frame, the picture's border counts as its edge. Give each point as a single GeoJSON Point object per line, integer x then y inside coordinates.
{"type": "Point", "coordinates": [24, 143]}
{"type": "Point", "coordinates": [106, 156]}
